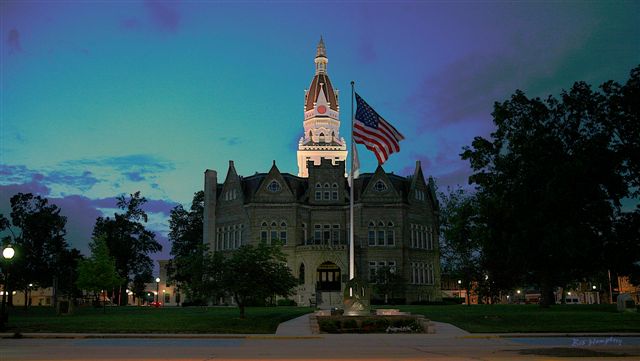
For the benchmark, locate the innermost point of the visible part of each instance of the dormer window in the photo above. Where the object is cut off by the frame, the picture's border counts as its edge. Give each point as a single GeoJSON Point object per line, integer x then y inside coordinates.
{"type": "Point", "coordinates": [274, 187]}
{"type": "Point", "coordinates": [379, 186]}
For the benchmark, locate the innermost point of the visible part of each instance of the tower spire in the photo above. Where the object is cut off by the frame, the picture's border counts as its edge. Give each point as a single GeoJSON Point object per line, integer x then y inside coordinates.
{"type": "Point", "coordinates": [321, 50]}
{"type": "Point", "coordinates": [321, 57]}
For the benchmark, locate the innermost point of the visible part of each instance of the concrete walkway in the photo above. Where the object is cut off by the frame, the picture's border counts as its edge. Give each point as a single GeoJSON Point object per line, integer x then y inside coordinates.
{"type": "Point", "coordinates": [298, 326]}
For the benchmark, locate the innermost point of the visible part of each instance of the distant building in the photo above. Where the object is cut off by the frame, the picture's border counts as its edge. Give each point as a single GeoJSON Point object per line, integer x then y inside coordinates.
{"type": "Point", "coordinates": [396, 218]}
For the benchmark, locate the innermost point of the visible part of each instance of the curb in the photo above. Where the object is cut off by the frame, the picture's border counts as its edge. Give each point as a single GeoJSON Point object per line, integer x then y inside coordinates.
{"type": "Point", "coordinates": [150, 336]}
{"type": "Point", "coordinates": [546, 335]}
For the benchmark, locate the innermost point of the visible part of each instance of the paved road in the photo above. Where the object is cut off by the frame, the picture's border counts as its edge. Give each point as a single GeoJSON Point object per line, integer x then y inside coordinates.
{"type": "Point", "coordinates": [324, 347]}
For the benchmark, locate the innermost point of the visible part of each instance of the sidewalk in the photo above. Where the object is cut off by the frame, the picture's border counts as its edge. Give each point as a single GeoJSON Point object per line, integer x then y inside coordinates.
{"type": "Point", "coordinates": [299, 326]}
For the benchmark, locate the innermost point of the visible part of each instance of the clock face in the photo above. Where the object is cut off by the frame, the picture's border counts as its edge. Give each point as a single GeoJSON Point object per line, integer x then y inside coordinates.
{"type": "Point", "coordinates": [322, 109]}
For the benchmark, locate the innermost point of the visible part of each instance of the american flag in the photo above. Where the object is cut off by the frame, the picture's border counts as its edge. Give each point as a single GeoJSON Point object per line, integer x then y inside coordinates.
{"type": "Point", "coordinates": [370, 129]}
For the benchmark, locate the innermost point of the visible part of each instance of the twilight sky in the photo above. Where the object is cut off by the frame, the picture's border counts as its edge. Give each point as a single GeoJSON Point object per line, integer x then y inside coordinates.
{"type": "Point", "coordinates": [104, 98]}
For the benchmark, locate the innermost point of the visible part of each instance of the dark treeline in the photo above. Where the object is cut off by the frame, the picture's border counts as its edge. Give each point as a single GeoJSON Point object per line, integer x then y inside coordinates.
{"type": "Point", "coordinates": [549, 187]}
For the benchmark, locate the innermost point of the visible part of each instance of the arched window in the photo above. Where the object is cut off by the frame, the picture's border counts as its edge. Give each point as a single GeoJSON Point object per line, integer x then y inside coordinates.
{"type": "Point", "coordinates": [274, 186]}
{"type": "Point", "coordinates": [380, 186]}
{"type": "Point", "coordinates": [301, 274]}
{"type": "Point", "coordinates": [334, 185]}
{"type": "Point", "coordinates": [321, 138]}
{"type": "Point", "coordinates": [326, 185]}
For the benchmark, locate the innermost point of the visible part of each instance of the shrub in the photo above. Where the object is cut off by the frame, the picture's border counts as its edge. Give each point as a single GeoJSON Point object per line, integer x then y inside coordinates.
{"type": "Point", "coordinates": [329, 326]}
{"type": "Point", "coordinates": [286, 302]}
{"type": "Point", "coordinates": [374, 325]}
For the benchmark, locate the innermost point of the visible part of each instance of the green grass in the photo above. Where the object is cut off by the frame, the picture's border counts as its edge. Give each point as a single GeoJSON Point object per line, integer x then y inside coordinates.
{"type": "Point", "coordinates": [531, 318]}
{"type": "Point", "coordinates": [133, 319]}
{"type": "Point", "coordinates": [225, 320]}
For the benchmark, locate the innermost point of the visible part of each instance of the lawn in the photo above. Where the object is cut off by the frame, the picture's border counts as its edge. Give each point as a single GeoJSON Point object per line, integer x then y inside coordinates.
{"type": "Point", "coordinates": [531, 318]}
{"type": "Point", "coordinates": [225, 320]}
{"type": "Point", "coordinates": [133, 319]}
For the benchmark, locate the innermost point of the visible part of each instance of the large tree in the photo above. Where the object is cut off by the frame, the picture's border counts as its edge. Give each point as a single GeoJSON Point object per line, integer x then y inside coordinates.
{"type": "Point", "coordinates": [186, 267]}
{"type": "Point", "coordinates": [550, 181]}
{"type": "Point", "coordinates": [128, 241]}
{"type": "Point", "coordinates": [255, 273]}
{"type": "Point", "coordinates": [37, 230]}
{"type": "Point", "coordinates": [460, 247]}
{"type": "Point", "coordinates": [99, 271]}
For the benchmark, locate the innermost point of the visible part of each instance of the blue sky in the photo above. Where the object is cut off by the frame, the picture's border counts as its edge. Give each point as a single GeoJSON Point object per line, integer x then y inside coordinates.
{"type": "Point", "coordinates": [103, 98]}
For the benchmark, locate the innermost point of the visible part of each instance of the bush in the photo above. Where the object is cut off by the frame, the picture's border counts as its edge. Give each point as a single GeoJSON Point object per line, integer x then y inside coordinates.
{"type": "Point", "coordinates": [329, 326]}
{"type": "Point", "coordinates": [349, 325]}
{"type": "Point", "coordinates": [374, 325]}
{"type": "Point", "coordinates": [286, 302]}
{"type": "Point", "coordinates": [194, 303]}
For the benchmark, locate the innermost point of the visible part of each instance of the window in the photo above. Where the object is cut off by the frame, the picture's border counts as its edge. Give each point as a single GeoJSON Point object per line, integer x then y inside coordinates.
{"type": "Point", "coordinates": [318, 185]}
{"type": "Point", "coordinates": [318, 195]}
{"type": "Point", "coordinates": [334, 195]}
{"type": "Point", "coordinates": [301, 274]}
{"type": "Point", "coordinates": [391, 238]}
{"type": "Point", "coordinates": [274, 186]}
{"type": "Point", "coordinates": [372, 237]}
{"type": "Point", "coordinates": [372, 271]}
{"type": "Point", "coordinates": [335, 234]}
{"type": "Point", "coordinates": [263, 236]}
{"type": "Point", "coordinates": [283, 237]}
{"type": "Point", "coordinates": [326, 234]}
{"type": "Point", "coordinates": [274, 235]}
{"type": "Point", "coordinates": [380, 238]}
{"type": "Point", "coordinates": [167, 297]}
{"type": "Point", "coordinates": [326, 195]}
{"type": "Point", "coordinates": [380, 186]}
{"type": "Point", "coordinates": [317, 233]}
{"type": "Point", "coordinates": [334, 185]}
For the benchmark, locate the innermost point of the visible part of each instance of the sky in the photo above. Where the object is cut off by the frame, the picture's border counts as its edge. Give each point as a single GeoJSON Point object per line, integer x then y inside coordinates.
{"type": "Point", "coordinates": [101, 98]}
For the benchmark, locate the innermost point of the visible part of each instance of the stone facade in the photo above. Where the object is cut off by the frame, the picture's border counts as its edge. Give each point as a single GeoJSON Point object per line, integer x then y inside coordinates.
{"type": "Point", "coordinates": [395, 225]}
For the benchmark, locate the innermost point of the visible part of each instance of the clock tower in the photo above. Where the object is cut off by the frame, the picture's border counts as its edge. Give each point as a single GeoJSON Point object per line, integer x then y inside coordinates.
{"type": "Point", "coordinates": [321, 138]}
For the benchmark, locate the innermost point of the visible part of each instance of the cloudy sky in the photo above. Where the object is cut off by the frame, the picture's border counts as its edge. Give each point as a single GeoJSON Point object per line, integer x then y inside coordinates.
{"type": "Point", "coordinates": [103, 98]}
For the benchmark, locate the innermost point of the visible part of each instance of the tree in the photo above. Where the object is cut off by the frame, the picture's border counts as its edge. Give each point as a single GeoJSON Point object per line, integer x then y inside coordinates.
{"type": "Point", "coordinates": [388, 282]}
{"type": "Point", "coordinates": [550, 181]}
{"type": "Point", "coordinates": [39, 241]}
{"type": "Point", "coordinates": [256, 273]}
{"type": "Point", "coordinates": [128, 241]}
{"type": "Point", "coordinates": [187, 267]}
{"type": "Point", "coordinates": [460, 250]}
{"type": "Point", "coordinates": [99, 272]}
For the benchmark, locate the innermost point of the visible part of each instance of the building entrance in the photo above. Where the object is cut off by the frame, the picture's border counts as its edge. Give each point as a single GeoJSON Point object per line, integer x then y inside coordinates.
{"type": "Point", "coordinates": [329, 277]}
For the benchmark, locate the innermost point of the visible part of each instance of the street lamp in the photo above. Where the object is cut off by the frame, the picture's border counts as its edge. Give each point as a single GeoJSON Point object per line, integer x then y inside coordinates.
{"type": "Point", "coordinates": [7, 254]}
{"type": "Point", "coordinates": [157, 289]}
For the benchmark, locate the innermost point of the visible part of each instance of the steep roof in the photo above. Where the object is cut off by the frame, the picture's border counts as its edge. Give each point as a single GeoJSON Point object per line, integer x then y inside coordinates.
{"type": "Point", "coordinates": [321, 83]}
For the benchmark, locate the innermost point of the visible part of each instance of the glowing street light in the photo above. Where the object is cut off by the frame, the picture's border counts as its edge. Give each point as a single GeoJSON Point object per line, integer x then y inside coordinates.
{"type": "Point", "coordinates": [7, 254]}
{"type": "Point", "coordinates": [157, 289]}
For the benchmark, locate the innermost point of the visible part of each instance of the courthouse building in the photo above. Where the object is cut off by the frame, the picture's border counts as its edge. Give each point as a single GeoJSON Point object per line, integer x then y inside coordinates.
{"type": "Point", "coordinates": [395, 217]}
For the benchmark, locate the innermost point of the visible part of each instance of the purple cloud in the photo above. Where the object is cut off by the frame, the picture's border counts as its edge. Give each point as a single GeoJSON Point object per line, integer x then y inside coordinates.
{"type": "Point", "coordinates": [13, 41]}
{"type": "Point", "coordinates": [163, 15]}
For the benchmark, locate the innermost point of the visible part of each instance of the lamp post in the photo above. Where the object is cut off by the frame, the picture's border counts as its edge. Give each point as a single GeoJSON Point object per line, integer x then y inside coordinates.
{"type": "Point", "coordinates": [157, 290]}
{"type": "Point", "coordinates": [7, 254]}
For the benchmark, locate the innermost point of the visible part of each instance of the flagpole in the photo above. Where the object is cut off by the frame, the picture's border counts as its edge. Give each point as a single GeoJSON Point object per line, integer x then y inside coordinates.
{"type": "Point", "coordinates": [352, 271]}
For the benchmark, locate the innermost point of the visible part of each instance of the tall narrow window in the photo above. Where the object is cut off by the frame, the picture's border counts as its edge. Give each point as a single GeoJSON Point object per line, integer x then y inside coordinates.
{"type": "Point", "coordinates": [301, 274]}
{"type": "Point", "coordinates": [380, 237]}
{"type": "Point", "coordinates": [372, 234]}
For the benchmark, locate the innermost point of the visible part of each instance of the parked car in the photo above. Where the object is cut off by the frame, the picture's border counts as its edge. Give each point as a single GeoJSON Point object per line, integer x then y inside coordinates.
{"type": "Point", "coordinates": [155, 304]}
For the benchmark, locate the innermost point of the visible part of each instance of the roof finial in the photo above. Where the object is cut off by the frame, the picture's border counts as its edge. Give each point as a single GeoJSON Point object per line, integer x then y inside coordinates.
{"type": "Point", "coordinates": [322, 51]}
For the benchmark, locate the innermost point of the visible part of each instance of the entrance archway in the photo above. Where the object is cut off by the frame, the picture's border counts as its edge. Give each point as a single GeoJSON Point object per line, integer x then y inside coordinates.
{"type": "Point", "coordinates": [329, 277]}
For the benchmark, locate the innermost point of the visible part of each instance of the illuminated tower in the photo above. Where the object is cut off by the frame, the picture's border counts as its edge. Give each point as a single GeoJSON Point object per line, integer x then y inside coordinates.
{"type": "Point", "coordinates": [321, 137]}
